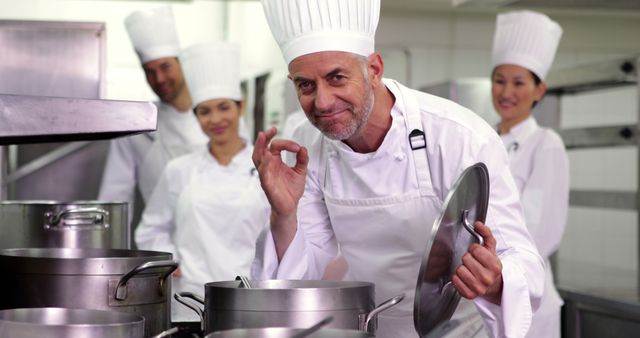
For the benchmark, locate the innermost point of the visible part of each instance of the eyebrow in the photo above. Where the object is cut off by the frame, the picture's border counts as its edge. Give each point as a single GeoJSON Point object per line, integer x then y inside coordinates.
{"type": "Point", "coordinates": [331, 73]}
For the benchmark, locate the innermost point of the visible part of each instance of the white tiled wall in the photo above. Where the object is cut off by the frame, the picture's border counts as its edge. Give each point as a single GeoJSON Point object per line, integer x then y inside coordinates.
{"type": "Point", "coordinates": [599, 251]}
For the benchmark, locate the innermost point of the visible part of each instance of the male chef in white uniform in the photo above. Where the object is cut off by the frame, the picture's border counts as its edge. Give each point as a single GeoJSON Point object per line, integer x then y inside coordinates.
{"type": "Point", "coordinates": [375, 180]}
{"type": "Point", "coordinates": [140, 159]}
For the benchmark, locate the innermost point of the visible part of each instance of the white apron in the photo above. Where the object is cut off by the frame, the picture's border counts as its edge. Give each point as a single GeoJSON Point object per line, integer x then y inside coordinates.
{"type": "Point", "coordinates": [383, 239]}
{"type": "Point", "coordinates": [218, 218]}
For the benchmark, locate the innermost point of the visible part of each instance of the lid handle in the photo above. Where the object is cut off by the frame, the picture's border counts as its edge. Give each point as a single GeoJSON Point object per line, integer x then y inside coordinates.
{"type": "Point", "coordinates": [470, 229]}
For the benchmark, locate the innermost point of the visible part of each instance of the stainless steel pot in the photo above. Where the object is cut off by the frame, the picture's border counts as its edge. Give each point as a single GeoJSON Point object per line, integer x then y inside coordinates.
{"type": "Point", "coordinates": [51, 224]}
{"type": "Point", "coordinates": [120, 280]}
{"type": "Point", "coordinates": [281, 332]}
{"type": "Point", "coordinates": [288, 303]}
{"type": "Point", "coordinates": [66, 323]}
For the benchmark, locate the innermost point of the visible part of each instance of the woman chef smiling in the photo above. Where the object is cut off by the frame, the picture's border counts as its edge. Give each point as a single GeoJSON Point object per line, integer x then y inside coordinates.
{"type": "Point", "coordinates": [524, 46]}
{"type": "Point", "coordinates": [208, 207]}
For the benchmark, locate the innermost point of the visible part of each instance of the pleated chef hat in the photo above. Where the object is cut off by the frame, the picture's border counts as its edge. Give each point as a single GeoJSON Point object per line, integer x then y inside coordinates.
{"type": "Point", "coordinates": [527, 39]}
{"type": "Point", "coordinates": [307, 26]}
{"type": "Point", "coordinates": [212, 71]}
{"type": "Point", "coordinates": [153, 33]}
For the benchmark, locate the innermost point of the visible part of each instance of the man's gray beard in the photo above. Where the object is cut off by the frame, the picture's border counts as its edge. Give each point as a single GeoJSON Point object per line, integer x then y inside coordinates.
{"type": "Point", "coordinates": [355, 125]}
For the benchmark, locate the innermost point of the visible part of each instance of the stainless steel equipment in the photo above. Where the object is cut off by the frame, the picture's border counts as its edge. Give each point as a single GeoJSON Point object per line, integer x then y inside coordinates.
{"type": "Point", "coordinates": [281, 332]}
{"type": "Point", "coordinates": [51, 224]}
{"type": "Point", "coordinates": [119, 280]}
{"type": "Point", "coordinates": [65, 323]}
{"type": "Point", "coordinates": [289, 303]}
{"type": "Point", "coordinates": [436, 298]}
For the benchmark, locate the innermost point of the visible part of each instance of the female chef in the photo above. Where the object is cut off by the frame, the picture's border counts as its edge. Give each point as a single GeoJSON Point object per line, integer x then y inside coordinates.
{"type": "Point", "coordinates": [208, 207]}
{"type": "Point", "coordinates": [524, 47]}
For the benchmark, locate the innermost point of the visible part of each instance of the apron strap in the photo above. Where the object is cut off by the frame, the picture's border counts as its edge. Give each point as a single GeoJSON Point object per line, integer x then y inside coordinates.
{"type": "Point", "coordinates": [417, 140]}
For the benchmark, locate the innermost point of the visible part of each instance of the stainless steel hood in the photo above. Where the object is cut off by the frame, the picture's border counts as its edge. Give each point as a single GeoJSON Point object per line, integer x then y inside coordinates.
{"type": "Point", "coordinates": [553, 4]}
{"type": "Point", "coordinates": [38, 119]}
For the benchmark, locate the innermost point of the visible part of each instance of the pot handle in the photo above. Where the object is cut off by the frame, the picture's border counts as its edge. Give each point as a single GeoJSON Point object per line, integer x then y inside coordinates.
{"type": "Point", "coordinates": [470, 229]}
{"type": "Point", "coordinates": [77, 217]}
{"type": "Point", "coordinates": [373, 315]}
{"type": "Point", "coordinates": [167, 333]}
{"type": "Point", "coordinates": [121, 289]}
{"type": "Point", "coordinates": [181, 297]}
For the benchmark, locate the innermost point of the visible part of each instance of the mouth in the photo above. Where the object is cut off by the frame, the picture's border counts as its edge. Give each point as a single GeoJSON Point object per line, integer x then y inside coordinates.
{"type": "Point", "coordinates": [506, 104]}
{"type": "Point", "coordinates": [218, 130]}
{"type": "Point", "coordinates": [331, 115]}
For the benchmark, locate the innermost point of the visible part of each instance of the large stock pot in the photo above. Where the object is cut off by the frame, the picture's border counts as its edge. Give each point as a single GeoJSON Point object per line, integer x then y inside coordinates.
{"type": "Point", "coordinates": [288, 303]}
{"type": "Point", "coordinates": [130, 281]}
{"type": "Point", "coordinates": [281, 332]}
{"type": "Point", "coordinates": [69, 323]}
{"type": "Point", "coordinates": [52, 224]}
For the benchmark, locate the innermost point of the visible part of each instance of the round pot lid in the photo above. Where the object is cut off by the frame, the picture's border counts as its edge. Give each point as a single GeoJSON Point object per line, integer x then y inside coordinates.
{"type": "Point", "coordinates": [452, 233]}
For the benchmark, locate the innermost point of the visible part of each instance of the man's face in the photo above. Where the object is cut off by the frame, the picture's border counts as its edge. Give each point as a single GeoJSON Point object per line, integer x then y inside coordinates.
{"type": "Point", "coordinates": [164, 76]}
{"type": "Point", "coordinates": [334, 91]}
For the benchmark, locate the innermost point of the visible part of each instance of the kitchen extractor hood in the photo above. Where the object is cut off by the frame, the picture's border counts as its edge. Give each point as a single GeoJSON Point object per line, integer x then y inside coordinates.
{"type": "Point", "coordinates": [37, 119]}
{"type": "Point", "coordinates": [553, 4]}
{"type": "Point", "coordinates": [604, 74]}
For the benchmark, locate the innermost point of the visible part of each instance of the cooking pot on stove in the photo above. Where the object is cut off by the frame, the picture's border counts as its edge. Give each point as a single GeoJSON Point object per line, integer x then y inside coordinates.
{"type": "Point", "coordinates": [287, 303]}
{"type": "Point", "coordinates": [132, 281]}
{"type": "Point", "coordinates": [53, 224]}
{"type": "Point", "coordinates": [66, 323]}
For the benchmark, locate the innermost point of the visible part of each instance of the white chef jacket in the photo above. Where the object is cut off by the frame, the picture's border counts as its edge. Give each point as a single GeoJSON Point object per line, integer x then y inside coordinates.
{"type": "Point", "coordinates": [455, 139]}
{"type": "Point", "coordinates": [540, 167]}
{"type": "Point", "coordinates": [208, 216]}
{"type": "Point", "coordinates": [140, 159]}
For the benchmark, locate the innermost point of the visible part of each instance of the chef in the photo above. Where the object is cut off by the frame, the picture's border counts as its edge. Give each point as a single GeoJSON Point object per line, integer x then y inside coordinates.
{"type": "Point", "coordinates": [139, 160]}
{"type": "Point", "coordinates": [374, 180]}
{"type": "Point", "coordinates": [208, 207]}
{"type": "Point", "coordinates": [524, 47]}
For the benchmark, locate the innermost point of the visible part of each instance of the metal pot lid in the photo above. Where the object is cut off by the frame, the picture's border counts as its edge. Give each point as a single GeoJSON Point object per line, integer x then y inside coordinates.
{"type": "Point", "coordinates": [436, 298]}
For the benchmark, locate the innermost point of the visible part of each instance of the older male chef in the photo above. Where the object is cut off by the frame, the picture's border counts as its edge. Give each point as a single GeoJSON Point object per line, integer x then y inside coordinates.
{"type": "Point", "coordinates": [140, 159]}
{"type": "Point", "coordinates": [375, 179]}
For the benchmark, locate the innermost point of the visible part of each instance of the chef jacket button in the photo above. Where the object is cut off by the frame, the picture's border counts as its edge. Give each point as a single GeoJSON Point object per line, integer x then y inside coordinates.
{"type": "Point", "coordinates": [400, 157]}
{"type": "Point", "coordinates": [332, 153]}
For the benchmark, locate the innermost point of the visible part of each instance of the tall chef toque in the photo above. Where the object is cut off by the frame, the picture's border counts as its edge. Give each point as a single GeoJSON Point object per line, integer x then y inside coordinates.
{"type": "Point", "coordinates": [307, 26]}
{"type": "Point", "coordinates": [153, 33]}
{"type": "Point", "coordinates": [212, 71]}
{"type": "Point", "coordinates": [527, 39]}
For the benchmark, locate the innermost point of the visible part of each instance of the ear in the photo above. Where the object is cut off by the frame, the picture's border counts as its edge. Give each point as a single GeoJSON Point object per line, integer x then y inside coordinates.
{"type": "Point", "coordinates": [376, 69]}
{"type": "Point", "coordinates": [541, 89]}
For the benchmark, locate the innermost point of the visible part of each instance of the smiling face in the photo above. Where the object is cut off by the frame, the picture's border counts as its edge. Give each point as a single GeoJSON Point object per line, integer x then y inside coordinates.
{"type": "Point", "coordinates": [165, 78]}
{"type": "Point", "coordinates": [335, 92]}
{"type": "Point", "coordinates": [219, 119]}
{"type": "Point", "coordinates": [514, 91]}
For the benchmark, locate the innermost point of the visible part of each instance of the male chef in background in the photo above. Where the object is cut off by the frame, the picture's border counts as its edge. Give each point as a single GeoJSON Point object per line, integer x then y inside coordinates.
{"type": "Point", "coordinates": [375, 179]}
{"type": "Point", "coordinates": [139, 160]}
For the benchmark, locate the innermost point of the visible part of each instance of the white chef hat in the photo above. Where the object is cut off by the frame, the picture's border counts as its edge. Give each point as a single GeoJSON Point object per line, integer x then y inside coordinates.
{"type": "Point", "coordinates": [307, 26]}
{"type": "Point", "coordinates": [527, 39]}
{"type": "Point", "coordinates": [212, 71]}
{"type": "Point", "coordinates": [153, 33]}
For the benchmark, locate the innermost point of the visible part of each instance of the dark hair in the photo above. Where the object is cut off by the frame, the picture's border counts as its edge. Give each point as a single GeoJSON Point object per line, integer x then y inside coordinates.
{"type": "Point", "coordinates": [237, 102]}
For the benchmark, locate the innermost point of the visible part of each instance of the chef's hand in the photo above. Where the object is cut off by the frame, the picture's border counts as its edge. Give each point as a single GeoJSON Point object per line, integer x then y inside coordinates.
{"type": "Point", "coordinates": [282, 184]}
{"type": "Point", "coordinates": [177, 273]}
{"type": "Point", "coordinates": [480, 274]}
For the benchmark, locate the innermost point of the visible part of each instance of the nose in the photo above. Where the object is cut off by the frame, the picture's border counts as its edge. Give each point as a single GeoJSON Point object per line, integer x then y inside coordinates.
{"type": "Point", "coordinates": [324, 99]}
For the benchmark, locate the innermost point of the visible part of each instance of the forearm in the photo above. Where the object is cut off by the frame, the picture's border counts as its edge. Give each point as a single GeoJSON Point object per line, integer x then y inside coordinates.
{"type": "Point", "coordinates": [283, 230]}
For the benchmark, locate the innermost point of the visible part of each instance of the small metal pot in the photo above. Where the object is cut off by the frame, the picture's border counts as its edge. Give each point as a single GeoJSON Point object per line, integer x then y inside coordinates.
{"type": "Point", "coordinates": [65, 323]}
{"type": "Point", "coordinates": [132, 281]}
{"type": "Point", "coordinates": [282, 332]}
{"type": "Point", "coordinates": [287, 303]}
{"type": "Point", "coordinates": [53, 224]}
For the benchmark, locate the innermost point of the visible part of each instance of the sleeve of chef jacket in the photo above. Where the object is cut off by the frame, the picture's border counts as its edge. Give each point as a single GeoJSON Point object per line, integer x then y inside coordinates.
{"type": "Point", "coordinates": [158, 219]}
{"type": "Point", "coordinates": [522, 266]}
{"type": "Point", "coordinates": [119, 176]}
{"type": "Point", "coordinates": [545, 196]}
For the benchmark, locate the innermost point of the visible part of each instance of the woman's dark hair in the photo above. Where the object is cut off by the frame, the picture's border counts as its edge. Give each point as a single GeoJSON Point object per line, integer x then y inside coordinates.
{"type": "Point", "coordinates": [238, 103]}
